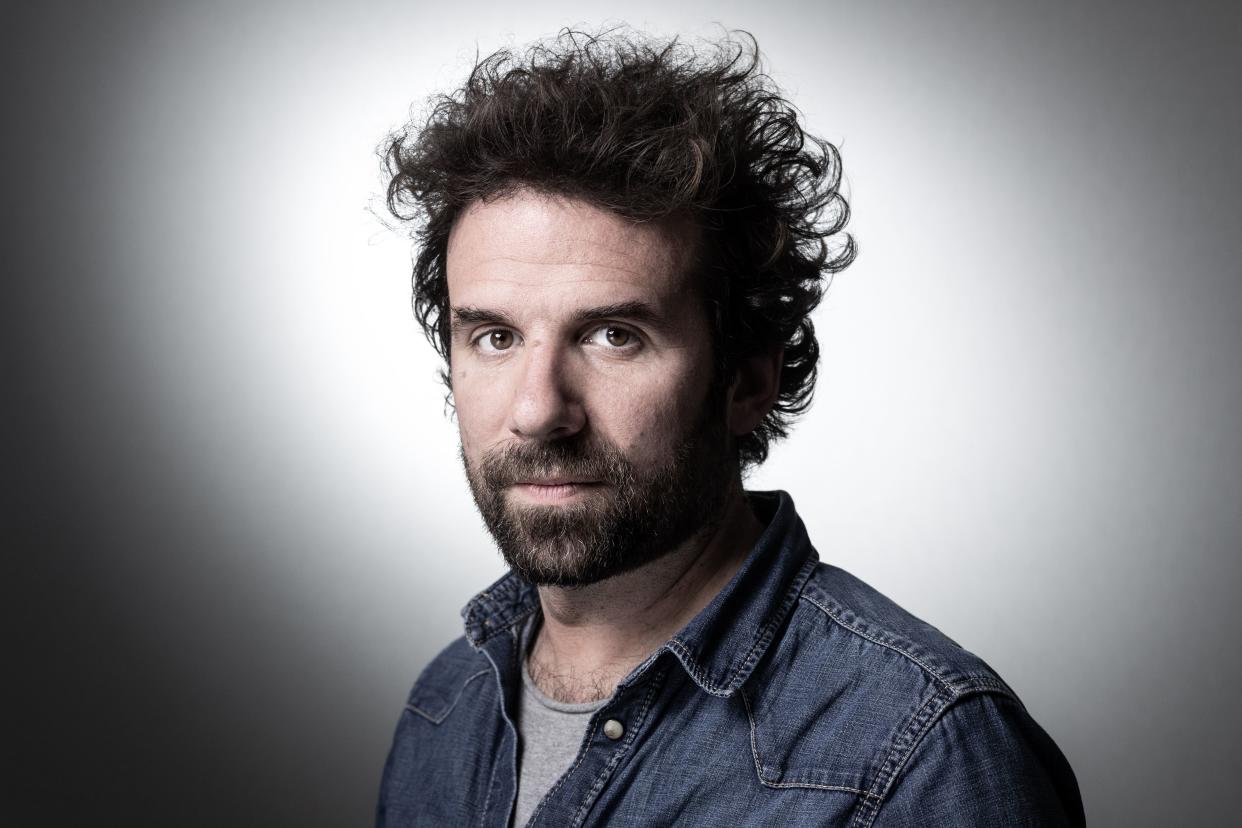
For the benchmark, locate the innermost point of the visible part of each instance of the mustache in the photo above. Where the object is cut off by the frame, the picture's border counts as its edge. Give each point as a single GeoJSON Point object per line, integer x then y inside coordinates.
{"type": "Point", "coordinates": [576, 458]}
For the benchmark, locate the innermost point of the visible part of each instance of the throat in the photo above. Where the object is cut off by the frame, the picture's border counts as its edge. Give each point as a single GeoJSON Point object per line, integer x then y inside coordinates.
{"type": "Point", "coordinates": [564, 679]}
{"type": "Point", "coordinates": [592, 637]}
{"type": "Point", "coordinates": [572, 686]}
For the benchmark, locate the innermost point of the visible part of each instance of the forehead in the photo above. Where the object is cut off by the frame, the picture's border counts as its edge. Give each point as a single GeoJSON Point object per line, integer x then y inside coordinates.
{"type": "Point", "coordinates": [529, 248]}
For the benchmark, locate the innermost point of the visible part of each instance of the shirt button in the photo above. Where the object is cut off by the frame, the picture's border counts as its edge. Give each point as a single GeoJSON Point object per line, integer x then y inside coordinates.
{"type": "Point", "coordinates": [613, 729]}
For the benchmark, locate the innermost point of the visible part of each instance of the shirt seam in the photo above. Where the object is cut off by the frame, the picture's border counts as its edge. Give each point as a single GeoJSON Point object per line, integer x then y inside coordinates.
{"type": "Point", "coordinates": [754, 751]}
{"type": "Point", "coordinates": [426, 714]}
{"type": "Point", "coordinates": [940, 680]}
{"type": "Point", "coordinates": [898, 754]}
{"type": "Point", "coordinates": [491, 784]}
{"type": "Point", "coordinates": [918, 734]}
{"type": "Point", "coordinates": [504, 625]}
{"type": "Point", "coordinates": [609, 766]}
{"type": "Point", "coordinates": [757, 647]}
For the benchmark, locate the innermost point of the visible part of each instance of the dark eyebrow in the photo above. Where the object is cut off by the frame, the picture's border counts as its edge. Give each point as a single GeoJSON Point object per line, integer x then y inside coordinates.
{"type": "Point", "coordinates": [632, 311]}
{"type": "Point", "coordinates": [639, 312]}
{"type": "Point", "coordinates": [476, 316]}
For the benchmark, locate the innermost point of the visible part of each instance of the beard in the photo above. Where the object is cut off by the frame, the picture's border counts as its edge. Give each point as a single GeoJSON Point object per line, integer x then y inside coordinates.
{"type": "Point", "coordinates": [630, 517]}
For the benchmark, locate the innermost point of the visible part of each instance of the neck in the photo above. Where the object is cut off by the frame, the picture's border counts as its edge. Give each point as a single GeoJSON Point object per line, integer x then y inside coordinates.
{"type": "Point", "coordinates": [593, 636]}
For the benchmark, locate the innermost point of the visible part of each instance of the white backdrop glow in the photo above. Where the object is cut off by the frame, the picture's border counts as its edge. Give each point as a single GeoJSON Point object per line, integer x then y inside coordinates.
{"type": "Point", "coordinates": [1025, 428]}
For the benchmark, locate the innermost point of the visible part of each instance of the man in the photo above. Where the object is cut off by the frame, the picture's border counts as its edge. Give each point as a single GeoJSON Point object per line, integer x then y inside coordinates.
{"type": "Point", "coordinates": [621, 242]}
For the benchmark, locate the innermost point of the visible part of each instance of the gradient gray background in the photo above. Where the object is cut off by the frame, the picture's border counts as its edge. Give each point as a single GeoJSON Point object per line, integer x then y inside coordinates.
{"type": "Point", "coordinates": [235, 524]}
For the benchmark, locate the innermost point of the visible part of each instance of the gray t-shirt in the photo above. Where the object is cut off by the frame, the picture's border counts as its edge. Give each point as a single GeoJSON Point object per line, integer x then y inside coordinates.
{"type": "Point", "coordinates": [550, 734]}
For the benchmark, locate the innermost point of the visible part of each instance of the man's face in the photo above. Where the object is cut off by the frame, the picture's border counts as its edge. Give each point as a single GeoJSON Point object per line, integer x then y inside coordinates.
{"type": "Point", "coordinates": [581, 367]}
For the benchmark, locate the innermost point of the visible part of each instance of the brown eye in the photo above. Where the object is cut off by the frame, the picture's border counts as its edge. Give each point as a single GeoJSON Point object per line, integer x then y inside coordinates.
{"type": "Point", "coordinates": [617, 337]}
{"type": "Point", "coordinates": [500, 340]}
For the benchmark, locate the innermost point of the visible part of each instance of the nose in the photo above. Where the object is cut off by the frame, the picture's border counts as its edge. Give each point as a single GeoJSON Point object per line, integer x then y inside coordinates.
{"type": "Point", "coordinates": [545, 406]}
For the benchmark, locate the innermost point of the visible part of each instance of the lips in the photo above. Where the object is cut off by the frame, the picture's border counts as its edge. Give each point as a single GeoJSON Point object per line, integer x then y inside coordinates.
{"type": "Point", "coordinates": [573, 466]}
{"type": "Point", "coordinates": [555, 481]}
{"type": "Point", "coordinates": [552, 490]}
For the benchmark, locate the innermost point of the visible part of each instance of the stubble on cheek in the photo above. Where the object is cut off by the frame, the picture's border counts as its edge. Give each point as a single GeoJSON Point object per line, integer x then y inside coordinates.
{"type": "Point", "coordinates": [634, 516]}
{"type": "Point", "coordinates": [554, 544]}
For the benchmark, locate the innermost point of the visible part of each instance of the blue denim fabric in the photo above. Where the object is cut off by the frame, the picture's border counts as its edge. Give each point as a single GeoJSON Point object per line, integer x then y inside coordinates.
{"type": "Point", "coordinates": [800, 696]}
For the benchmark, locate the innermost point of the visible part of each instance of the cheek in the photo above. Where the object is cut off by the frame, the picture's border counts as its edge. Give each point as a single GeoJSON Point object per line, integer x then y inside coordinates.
{"type": "Point", "coordinates": [647, 419]}
{"type": "Point", "coordinates": [477, 408]}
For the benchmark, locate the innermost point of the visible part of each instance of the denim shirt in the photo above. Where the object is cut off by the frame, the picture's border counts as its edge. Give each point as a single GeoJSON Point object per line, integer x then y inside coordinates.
{"type": "Point", "coordinates": [799, 696]}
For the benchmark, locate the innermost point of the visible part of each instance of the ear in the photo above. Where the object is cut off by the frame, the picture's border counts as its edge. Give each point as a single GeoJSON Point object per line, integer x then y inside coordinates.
{"type": "Point", "coordinates": [755, 387]}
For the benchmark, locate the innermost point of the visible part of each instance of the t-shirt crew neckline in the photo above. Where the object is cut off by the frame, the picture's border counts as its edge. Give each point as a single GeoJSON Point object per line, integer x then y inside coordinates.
{"type": "Point", "coordinates": [529, 630]}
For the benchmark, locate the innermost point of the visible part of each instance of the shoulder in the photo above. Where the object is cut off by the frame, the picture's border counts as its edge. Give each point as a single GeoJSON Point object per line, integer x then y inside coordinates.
{"type": "Point", "coordinates": [431, 775]}
{"type": "Point", "coordinates": [985, 762]}
{"type": "Point", "coordinates": [849, 644]}
{"type": "Point", "coordinates": [856, 685]}
{"type": "Point", "coordinates": [441, 685]}
{"type": "Point", "coordinates": [874, 635]}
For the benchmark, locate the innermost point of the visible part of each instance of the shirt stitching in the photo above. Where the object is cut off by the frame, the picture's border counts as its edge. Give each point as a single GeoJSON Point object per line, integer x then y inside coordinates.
{"type": "Point", "coordinates": [902, 746]}
{"type": "Point", "coordinates": [491, 785]}
{"type": "Point", "coordinates": [587, 738]}
{"type": "Point", "coordinates": [500, 625]}
{"type": "Point", "coordinates": [767, 633]}
{"type": "Point", "coordinates": [916, 731]}
{"type": "Point", "coordinates": [935, 674]}
{"type": "Point", "coordinates": [619, 754]}
{"type": "Point", "coordinates": [754, 751]}
{"type": "Point", "coordinates": [440, 719]}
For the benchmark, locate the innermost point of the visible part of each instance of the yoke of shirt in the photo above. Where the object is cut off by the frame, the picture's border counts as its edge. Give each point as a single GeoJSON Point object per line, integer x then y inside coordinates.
{"type": "Point", "coordinates": [796, 697]}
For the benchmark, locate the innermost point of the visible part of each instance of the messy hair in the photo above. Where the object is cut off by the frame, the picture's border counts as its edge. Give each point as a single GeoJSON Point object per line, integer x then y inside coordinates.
{"type": "Point", "coordinates": [647, 129]}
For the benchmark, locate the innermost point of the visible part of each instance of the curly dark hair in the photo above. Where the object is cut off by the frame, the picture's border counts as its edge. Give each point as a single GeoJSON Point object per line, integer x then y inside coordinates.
{"type": "Point", "coordinates": [647, 129]}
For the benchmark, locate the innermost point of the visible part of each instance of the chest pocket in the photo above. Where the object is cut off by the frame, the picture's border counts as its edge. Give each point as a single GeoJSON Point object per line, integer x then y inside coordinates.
{"type": "Point", "coordinates": [798, 751]}
{"type": "Point", "coordinates": [435, 698]}
{"type": "Point", "coordinates": [829, 710]}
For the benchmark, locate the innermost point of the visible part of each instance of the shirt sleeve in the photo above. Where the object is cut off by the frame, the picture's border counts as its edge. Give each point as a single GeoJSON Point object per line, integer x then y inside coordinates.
{"type": "Point", "coordinates": [984, 763]}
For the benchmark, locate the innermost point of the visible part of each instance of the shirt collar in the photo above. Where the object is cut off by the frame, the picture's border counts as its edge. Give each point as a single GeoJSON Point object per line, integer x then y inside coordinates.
{"type": "Point", "coordinates": [722, 644]}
